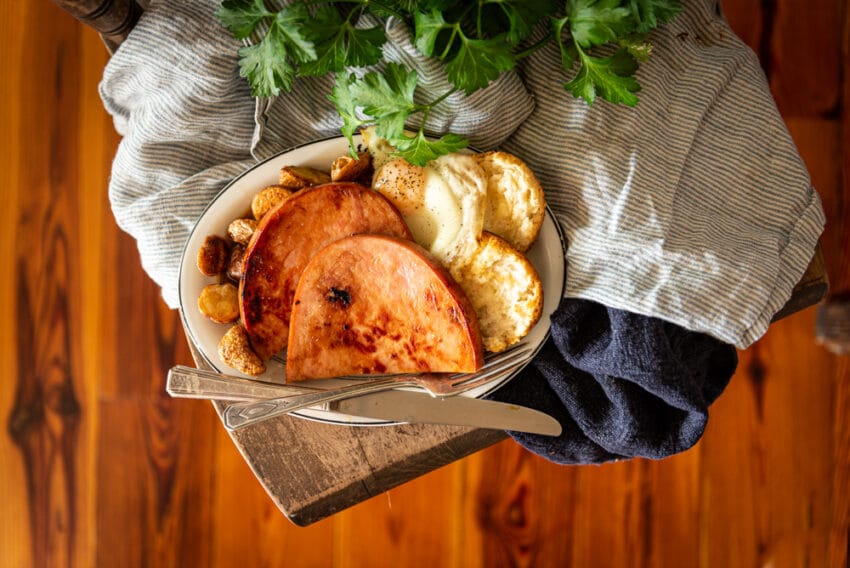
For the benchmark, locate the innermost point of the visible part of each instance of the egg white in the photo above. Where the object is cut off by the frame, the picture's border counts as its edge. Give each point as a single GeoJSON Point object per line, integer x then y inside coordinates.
{"type": "Point", "coordinates": [443, 203]}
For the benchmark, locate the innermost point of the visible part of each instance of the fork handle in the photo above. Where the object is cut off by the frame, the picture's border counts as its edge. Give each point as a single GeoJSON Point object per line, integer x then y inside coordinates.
{"type": "Point", "coordinates": [243, 414]}
{"type": "Point", "coordinates": [187, 382]}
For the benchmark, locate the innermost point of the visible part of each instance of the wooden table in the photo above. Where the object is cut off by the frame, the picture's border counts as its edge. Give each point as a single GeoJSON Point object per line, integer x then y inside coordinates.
{"type": "Point", "coordinates": [312, 470]}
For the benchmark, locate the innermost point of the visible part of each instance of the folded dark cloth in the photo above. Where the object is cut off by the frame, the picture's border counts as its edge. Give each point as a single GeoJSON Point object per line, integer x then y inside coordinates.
{"type": "Point", "coordinates": [622, 385]}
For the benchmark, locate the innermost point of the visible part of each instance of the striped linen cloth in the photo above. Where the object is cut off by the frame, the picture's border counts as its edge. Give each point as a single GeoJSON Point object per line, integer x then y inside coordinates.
{"type": "Point", "coordinates": [694, 207]}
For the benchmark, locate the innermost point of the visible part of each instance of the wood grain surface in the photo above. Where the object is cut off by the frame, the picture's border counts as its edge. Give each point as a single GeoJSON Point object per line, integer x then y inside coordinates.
{"type": "Point", "coordinates": [100, 468]}
{"type": "Point", "coordinates": [113, 19]}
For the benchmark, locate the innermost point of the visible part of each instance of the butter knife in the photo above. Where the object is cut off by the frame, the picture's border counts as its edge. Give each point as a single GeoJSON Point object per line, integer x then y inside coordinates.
{"type": "Point", "coordinates": [420, 408]}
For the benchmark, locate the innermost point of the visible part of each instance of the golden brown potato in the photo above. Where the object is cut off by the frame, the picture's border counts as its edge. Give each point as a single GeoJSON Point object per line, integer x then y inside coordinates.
{"type": "Point", "coordinates": [213, 256]}
{"type": "Point", "coordinates": [240, 230]}
{"type": "Point", "coordinates": [220, 302]}
{"type": "Point", "coordinates": [268, 198]}
{"type": "Point", "coordinates": [234, 267]}
{"type": "Point", "coordinates": [235, 352]}
{"type": "Point", "coordinates": [298, 177]}
{"type": "Point", "coordinates": [346, 168]}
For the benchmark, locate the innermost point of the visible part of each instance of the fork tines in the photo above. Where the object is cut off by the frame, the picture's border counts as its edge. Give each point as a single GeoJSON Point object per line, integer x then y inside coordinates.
{"type": "Point", "coordinates": [497, 365]}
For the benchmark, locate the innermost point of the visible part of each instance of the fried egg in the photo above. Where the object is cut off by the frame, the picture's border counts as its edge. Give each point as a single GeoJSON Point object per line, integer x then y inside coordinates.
{"type": "Point", "coordinates": [443, 203]}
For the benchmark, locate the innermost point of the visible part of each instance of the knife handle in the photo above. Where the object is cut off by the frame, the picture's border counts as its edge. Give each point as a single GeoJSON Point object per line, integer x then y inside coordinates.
{"type": "Point", "coordinates": [187, 382]}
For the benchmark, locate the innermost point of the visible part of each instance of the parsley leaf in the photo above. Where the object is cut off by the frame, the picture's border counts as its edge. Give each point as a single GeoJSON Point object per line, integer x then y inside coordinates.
{"type": "Point", "coordinates": [441, 5]}
{"type": "Point", "coordinates": [477, 41]}
{"type": "Point", "coordinates": [268, 64]}
{"type": "Point", "coordinates": [265, 65]}
{"type": "Point", "coordinates": [479, 61]}
{"type": "Point", "coordinates": [290, 22]}
{"type": "Point", "coordinates": [364, 46]}
{"type": "Point", "coordinates": [388, 96]}
{"type": "Point", "coordinates": [242, 16]}
{"type": "Point", "coordinates": [612, 77]}
{"type": "Point", "coordinates": [388, 8]}
{"type": "Point", "coordinates": [569, 53]}
{"type": "Point", "coordinates": [339, 44]}
{"type": "Point", "coordinates": [419, 150]}
{"type": "Point", "coordinates": [597, 22]}
{"type": "Point", "coordinates": [342, 99]}
{"type": "Point", "coordinates": [386, 100]}
{"type": "Point", "coordinates": [519, 16]}
{"type": "Point", "coordinates": [650, 14]}
{"type": "Point", "coordinates": [428, 26]}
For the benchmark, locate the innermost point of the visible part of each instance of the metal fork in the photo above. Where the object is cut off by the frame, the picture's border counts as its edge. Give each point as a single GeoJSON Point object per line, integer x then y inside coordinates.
{"type": "Point", "coordinates": [243, 414]}
{"type": "Point", "coordinates": [189, 382]}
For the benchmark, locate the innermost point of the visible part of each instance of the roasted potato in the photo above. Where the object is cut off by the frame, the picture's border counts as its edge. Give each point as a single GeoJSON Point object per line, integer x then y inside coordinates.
{"type": "Point", "coordinates": [220, 302]}
{"type": "Point", "coordinates": [267, 198]}
{"type": "Point", "coordinates": [234, 267]}
{"type": "Point", "coordinates": [240, 230]}
{"type": "Point", "coordinates": [298, 177]}
{"type": "Point", "coordinates": [235, 352]}
{"type": "Point", "coordinates": [213, 256]}
{"type": "Point", "coordinates": [346, 168]}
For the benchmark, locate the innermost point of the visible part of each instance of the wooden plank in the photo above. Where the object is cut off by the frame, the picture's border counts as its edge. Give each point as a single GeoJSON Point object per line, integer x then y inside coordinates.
{"type": "Point", "coordinates": [673, 511]}
{"type": "Point", "coordinates": [15, 537]}
{"type": "Point", "coordinates": [149, 442]}
{"type": "Point", "coordinates": [833, 323]}
{"type": "Point", "coordinates": [86, 481]}
{"type": "Point", "coordinates": [114, 19]}
{"type": "Point", "coordinates": [802, 489]}
{"type": "Point", "coordinates": [746, 18]}
{"type": "Point", "coordinates": [312, 469]}
{"type": "Point", "coordinates": [524, 511]}
{"type": "Point", "coordinates": [839, 536]}
{"type": "Point", "coordinates": [519, 510]}
{"type": "Point", "coordinates": [247, 527]}
{"type": "Point", "coordinates": [47, 439]}
{"type": "Point", "coordinates": [149, 485]}
{"type": "Point", "coordinates": [408, 525]}
{"type": "Point", "coordinates": [838, 207]}
{"type": "Point", "coordinates": [731, 449]}
{"type": "Point", "coordinates": [839, 245]}
{"type": "Point", "coordinates": [806, 82]}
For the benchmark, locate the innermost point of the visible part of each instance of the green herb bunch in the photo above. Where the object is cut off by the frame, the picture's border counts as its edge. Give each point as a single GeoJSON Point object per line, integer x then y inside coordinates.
{"type": "Point", "coordinates": [477, 40]}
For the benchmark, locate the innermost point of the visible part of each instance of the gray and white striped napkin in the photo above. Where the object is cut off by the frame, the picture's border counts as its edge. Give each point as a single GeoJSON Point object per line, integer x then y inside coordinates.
{"type": "Point", "coordinates": [693, 207]}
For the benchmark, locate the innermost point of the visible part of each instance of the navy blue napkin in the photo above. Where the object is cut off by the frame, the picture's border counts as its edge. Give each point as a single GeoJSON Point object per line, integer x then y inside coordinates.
{"type": "Point", "coordinates": [622, 385]}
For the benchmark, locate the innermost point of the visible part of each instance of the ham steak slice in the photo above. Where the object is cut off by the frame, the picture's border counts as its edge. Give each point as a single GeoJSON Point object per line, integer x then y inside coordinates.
{"type": "Point", "coordinates": [287, 238]}
{"type": "Point", "coordinates": [374, 304]}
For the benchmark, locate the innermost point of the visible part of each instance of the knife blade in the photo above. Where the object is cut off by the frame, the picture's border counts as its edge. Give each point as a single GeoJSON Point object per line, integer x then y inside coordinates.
{"type": "Point", "coordinates": [420, 408]}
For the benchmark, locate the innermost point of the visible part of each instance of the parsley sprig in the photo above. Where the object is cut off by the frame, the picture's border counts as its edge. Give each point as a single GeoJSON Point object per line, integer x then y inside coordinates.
{"type": "Point", "coordinates": [601, 42]}
{"type": "Point", "coordinates": [386, 100]}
